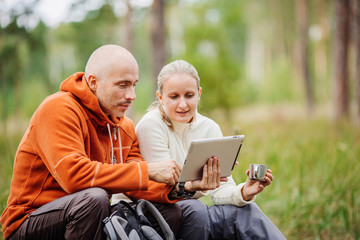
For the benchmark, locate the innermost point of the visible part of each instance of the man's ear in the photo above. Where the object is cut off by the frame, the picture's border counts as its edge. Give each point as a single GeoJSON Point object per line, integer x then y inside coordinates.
{"type": "Point", "coordinates": [92, 82]}
{"type": "Point", "coordinates": [159, 96]}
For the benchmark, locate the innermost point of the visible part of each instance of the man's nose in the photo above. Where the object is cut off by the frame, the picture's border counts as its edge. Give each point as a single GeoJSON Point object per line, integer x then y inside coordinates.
{"type": "Point", "coordinates": [130, 93]}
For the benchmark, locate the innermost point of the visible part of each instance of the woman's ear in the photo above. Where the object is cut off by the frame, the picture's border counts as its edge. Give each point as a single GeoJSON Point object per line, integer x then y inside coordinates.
{"type": "Point", "coordinates": [159, 96]}
{"type": "Point", "coordinates": [92, 82]}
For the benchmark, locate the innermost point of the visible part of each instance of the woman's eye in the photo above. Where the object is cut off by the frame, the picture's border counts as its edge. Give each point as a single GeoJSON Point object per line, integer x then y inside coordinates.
{"type": "Point", "coordinates": [173, 96]}
{"type": "Point", "coordinates": [189, 95]}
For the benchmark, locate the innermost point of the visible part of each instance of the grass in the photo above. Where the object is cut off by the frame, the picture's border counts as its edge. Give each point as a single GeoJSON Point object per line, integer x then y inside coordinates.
{"type": "Point", "coordinates": [315, 165]}
{"type": "Point", "coordinates": [315, 194]}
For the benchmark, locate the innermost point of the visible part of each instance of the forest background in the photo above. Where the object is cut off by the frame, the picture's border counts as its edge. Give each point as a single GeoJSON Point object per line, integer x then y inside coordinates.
{"type": "Point", "coordinates": [284, 73]}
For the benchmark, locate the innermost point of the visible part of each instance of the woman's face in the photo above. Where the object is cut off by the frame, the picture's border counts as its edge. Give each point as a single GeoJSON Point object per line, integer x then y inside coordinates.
{"type": "Point", "coordinates": [180, 97]}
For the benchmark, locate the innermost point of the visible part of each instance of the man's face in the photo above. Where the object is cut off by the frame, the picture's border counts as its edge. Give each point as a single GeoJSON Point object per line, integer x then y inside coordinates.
{"type": "Point", "coordinates": [116, 90]}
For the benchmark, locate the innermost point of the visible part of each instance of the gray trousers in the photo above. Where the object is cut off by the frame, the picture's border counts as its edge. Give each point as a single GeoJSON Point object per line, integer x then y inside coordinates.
{"type": "Point", "coordinates": [79, 216]}
{"type": "Point", "coordinates": [225, 222]}
{"type": "Point", "coordinates": [75, 216]}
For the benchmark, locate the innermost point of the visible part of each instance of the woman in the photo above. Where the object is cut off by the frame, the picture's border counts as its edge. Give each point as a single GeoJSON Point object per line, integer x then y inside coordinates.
{"type": "Point", "coordinates": [165, 132]}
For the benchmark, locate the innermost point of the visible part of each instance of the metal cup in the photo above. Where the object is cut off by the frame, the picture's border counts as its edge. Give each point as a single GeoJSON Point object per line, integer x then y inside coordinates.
{"type": "Point", "coordinates": [257, 171]}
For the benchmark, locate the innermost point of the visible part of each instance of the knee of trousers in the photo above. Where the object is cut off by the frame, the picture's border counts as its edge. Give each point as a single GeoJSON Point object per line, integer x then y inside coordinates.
{"type": "Point", "coordinates": [194, 210]}
{"type": "Point", "coordinates": [96, 197]}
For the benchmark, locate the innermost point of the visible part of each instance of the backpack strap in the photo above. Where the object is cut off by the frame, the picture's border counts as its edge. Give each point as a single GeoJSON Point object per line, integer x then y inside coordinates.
{"type": "Point", "coordinates": [144, 205]}
{"type": "Point", "coordinates": [108, 228]}
{"type": "Point", "coordinates": [117, 226]}
{"type": "Point", "coordinates": [131, 216]}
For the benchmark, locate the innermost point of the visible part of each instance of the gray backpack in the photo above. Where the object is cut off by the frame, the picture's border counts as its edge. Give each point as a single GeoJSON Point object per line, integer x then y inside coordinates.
{"type": "Point", "coordinates": [130, 223]}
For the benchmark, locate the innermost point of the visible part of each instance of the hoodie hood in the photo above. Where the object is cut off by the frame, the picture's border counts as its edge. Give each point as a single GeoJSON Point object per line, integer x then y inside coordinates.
{"type": "Point", "coordinates": [77, 85]}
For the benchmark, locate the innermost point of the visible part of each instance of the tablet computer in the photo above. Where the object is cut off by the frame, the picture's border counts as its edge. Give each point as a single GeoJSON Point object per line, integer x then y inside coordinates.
{"type": "Point", "coordinates": [225, 148]}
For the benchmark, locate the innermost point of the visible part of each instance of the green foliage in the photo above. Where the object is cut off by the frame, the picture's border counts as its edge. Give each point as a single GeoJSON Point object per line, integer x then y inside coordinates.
{"type": "Point", "coordinates": [315, 165]}
{"type": "Point", "coordinates": [100, 27]}
{"type": "Point", "coordinates": [23, 58]}
{"type": "Point", "coordinates": [214, 36]}
{"type": "Point", "coordinates": [8, 146]}
{"type": "Point", "coordinates": [280, 86]}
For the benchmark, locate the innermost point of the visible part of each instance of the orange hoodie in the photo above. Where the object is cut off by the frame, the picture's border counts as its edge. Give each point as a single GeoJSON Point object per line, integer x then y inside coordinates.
{"type": "Point", "coordinates": [70, 145]}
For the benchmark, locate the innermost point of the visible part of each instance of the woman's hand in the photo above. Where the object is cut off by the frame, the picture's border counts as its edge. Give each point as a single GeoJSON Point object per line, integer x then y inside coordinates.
{"type": "Point", "coordinates": [211, 177]}
{"type": "Point", "coordinates": [253, 187]}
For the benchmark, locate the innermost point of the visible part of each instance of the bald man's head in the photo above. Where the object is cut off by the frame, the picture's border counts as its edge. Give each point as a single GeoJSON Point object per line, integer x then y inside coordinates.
{"type": "Point", "coordinates": [112, 73]}
{"type": "Point", "coordinates": [106, 59]}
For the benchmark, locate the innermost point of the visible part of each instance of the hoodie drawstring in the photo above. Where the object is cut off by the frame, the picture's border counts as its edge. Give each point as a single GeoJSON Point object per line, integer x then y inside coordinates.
{"type": "Point", "coordinates": [113, 159]}
{"type": "Point", "coordinates": [120, 146]}
{"type": "Point", "coordinates": [111, 142]}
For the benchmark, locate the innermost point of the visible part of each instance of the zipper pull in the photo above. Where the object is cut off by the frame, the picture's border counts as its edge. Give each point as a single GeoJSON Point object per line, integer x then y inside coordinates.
{"type": "Point", "coordinates": [114, 130]}
{"type": "Point", "coordinates": [113, 160]}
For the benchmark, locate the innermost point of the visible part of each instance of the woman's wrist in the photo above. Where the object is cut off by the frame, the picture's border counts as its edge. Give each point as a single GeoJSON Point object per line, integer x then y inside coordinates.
{"type": "Point", "coordinates": [244, 195]}
{"type": "Point", "coordinates": [188, 191]}
{"type": "Point", "coordinates": [188, 187]}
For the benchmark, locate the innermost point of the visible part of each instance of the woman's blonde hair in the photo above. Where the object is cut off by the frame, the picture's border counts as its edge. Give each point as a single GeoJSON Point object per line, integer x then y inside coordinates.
{"type": "Point", "coordinates": [175, 67]}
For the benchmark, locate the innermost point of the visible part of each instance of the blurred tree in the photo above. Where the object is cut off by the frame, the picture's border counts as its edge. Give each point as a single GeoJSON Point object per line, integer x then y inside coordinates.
{"type": "Point", "coordinates": [341, 44]}
{"type": "Point", "coordinates": [77, 40]}
{"type": "Point", "coordinates": [355, 5]}
{"type": "Point", "coordinates": [129, 38]}
{"type": "Point", "coordinates": [23, 61]}
{"type": "Point", "coordinates": [158, 38]}
{"type": "Point", "coordinates": [303, 50]}
{"type": "Point", "coordinates": [11, 37]}
{"type": "Point", "coordinates": [214, 38]}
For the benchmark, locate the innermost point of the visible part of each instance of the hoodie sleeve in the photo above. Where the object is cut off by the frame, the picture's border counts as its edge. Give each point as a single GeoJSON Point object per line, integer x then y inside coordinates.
{"type": "Point", "coordinates": [156, 192]}
{"type": "Point", "coordinates": [60, 142]}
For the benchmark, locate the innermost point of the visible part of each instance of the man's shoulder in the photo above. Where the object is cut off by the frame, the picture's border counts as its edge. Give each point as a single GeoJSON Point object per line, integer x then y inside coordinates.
{"type": "Point", "coordinates": [60, 97]}
{"type": "Point", "coordinates": [59, 102]}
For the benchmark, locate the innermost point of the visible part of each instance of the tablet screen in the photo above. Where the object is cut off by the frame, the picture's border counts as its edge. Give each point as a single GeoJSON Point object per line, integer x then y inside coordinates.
{"type": "Point", "coordinates": [200, 150]}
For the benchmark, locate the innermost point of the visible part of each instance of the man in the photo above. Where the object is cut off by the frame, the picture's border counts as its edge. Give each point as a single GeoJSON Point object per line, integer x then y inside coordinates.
{"type": "Point", "coordinates": [79, 149]}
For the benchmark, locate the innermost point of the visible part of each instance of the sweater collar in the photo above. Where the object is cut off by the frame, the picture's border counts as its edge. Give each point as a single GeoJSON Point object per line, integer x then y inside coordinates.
{"type": "Point", "coordinates": [181, 126]}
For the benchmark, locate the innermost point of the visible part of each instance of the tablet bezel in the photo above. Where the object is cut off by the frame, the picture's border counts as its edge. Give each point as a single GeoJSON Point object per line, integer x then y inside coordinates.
{"type": "Point", "coordinates": [225, 148]}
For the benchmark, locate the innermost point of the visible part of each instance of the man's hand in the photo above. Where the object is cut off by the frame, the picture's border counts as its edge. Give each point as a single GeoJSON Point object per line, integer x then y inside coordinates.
{"type": "Point", "coordinates": [164, 171]}
{"type": "Point", "coordinates": [253, 187]}
{"type": "Point", "coordinates": [211, 177]}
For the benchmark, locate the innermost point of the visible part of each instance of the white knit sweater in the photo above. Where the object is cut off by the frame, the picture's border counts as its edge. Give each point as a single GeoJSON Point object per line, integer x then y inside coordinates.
{"type": "Point", "coordinates": [158, 142]}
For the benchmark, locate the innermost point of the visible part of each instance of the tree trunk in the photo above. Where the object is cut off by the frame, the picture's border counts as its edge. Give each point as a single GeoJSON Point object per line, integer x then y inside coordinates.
{"type": "Point", "coordinates": [302, 22]}
{"type": "Point", "coordinates": [129, 41]}
{"type": "Point", "coordinates": [341, 43]}
{"type": "Point", "coordinates": [157, 29]}
{"type": "Point", "coordinates": [128, 28]}
{"type": "Point", "coordinates": [355, 6]}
